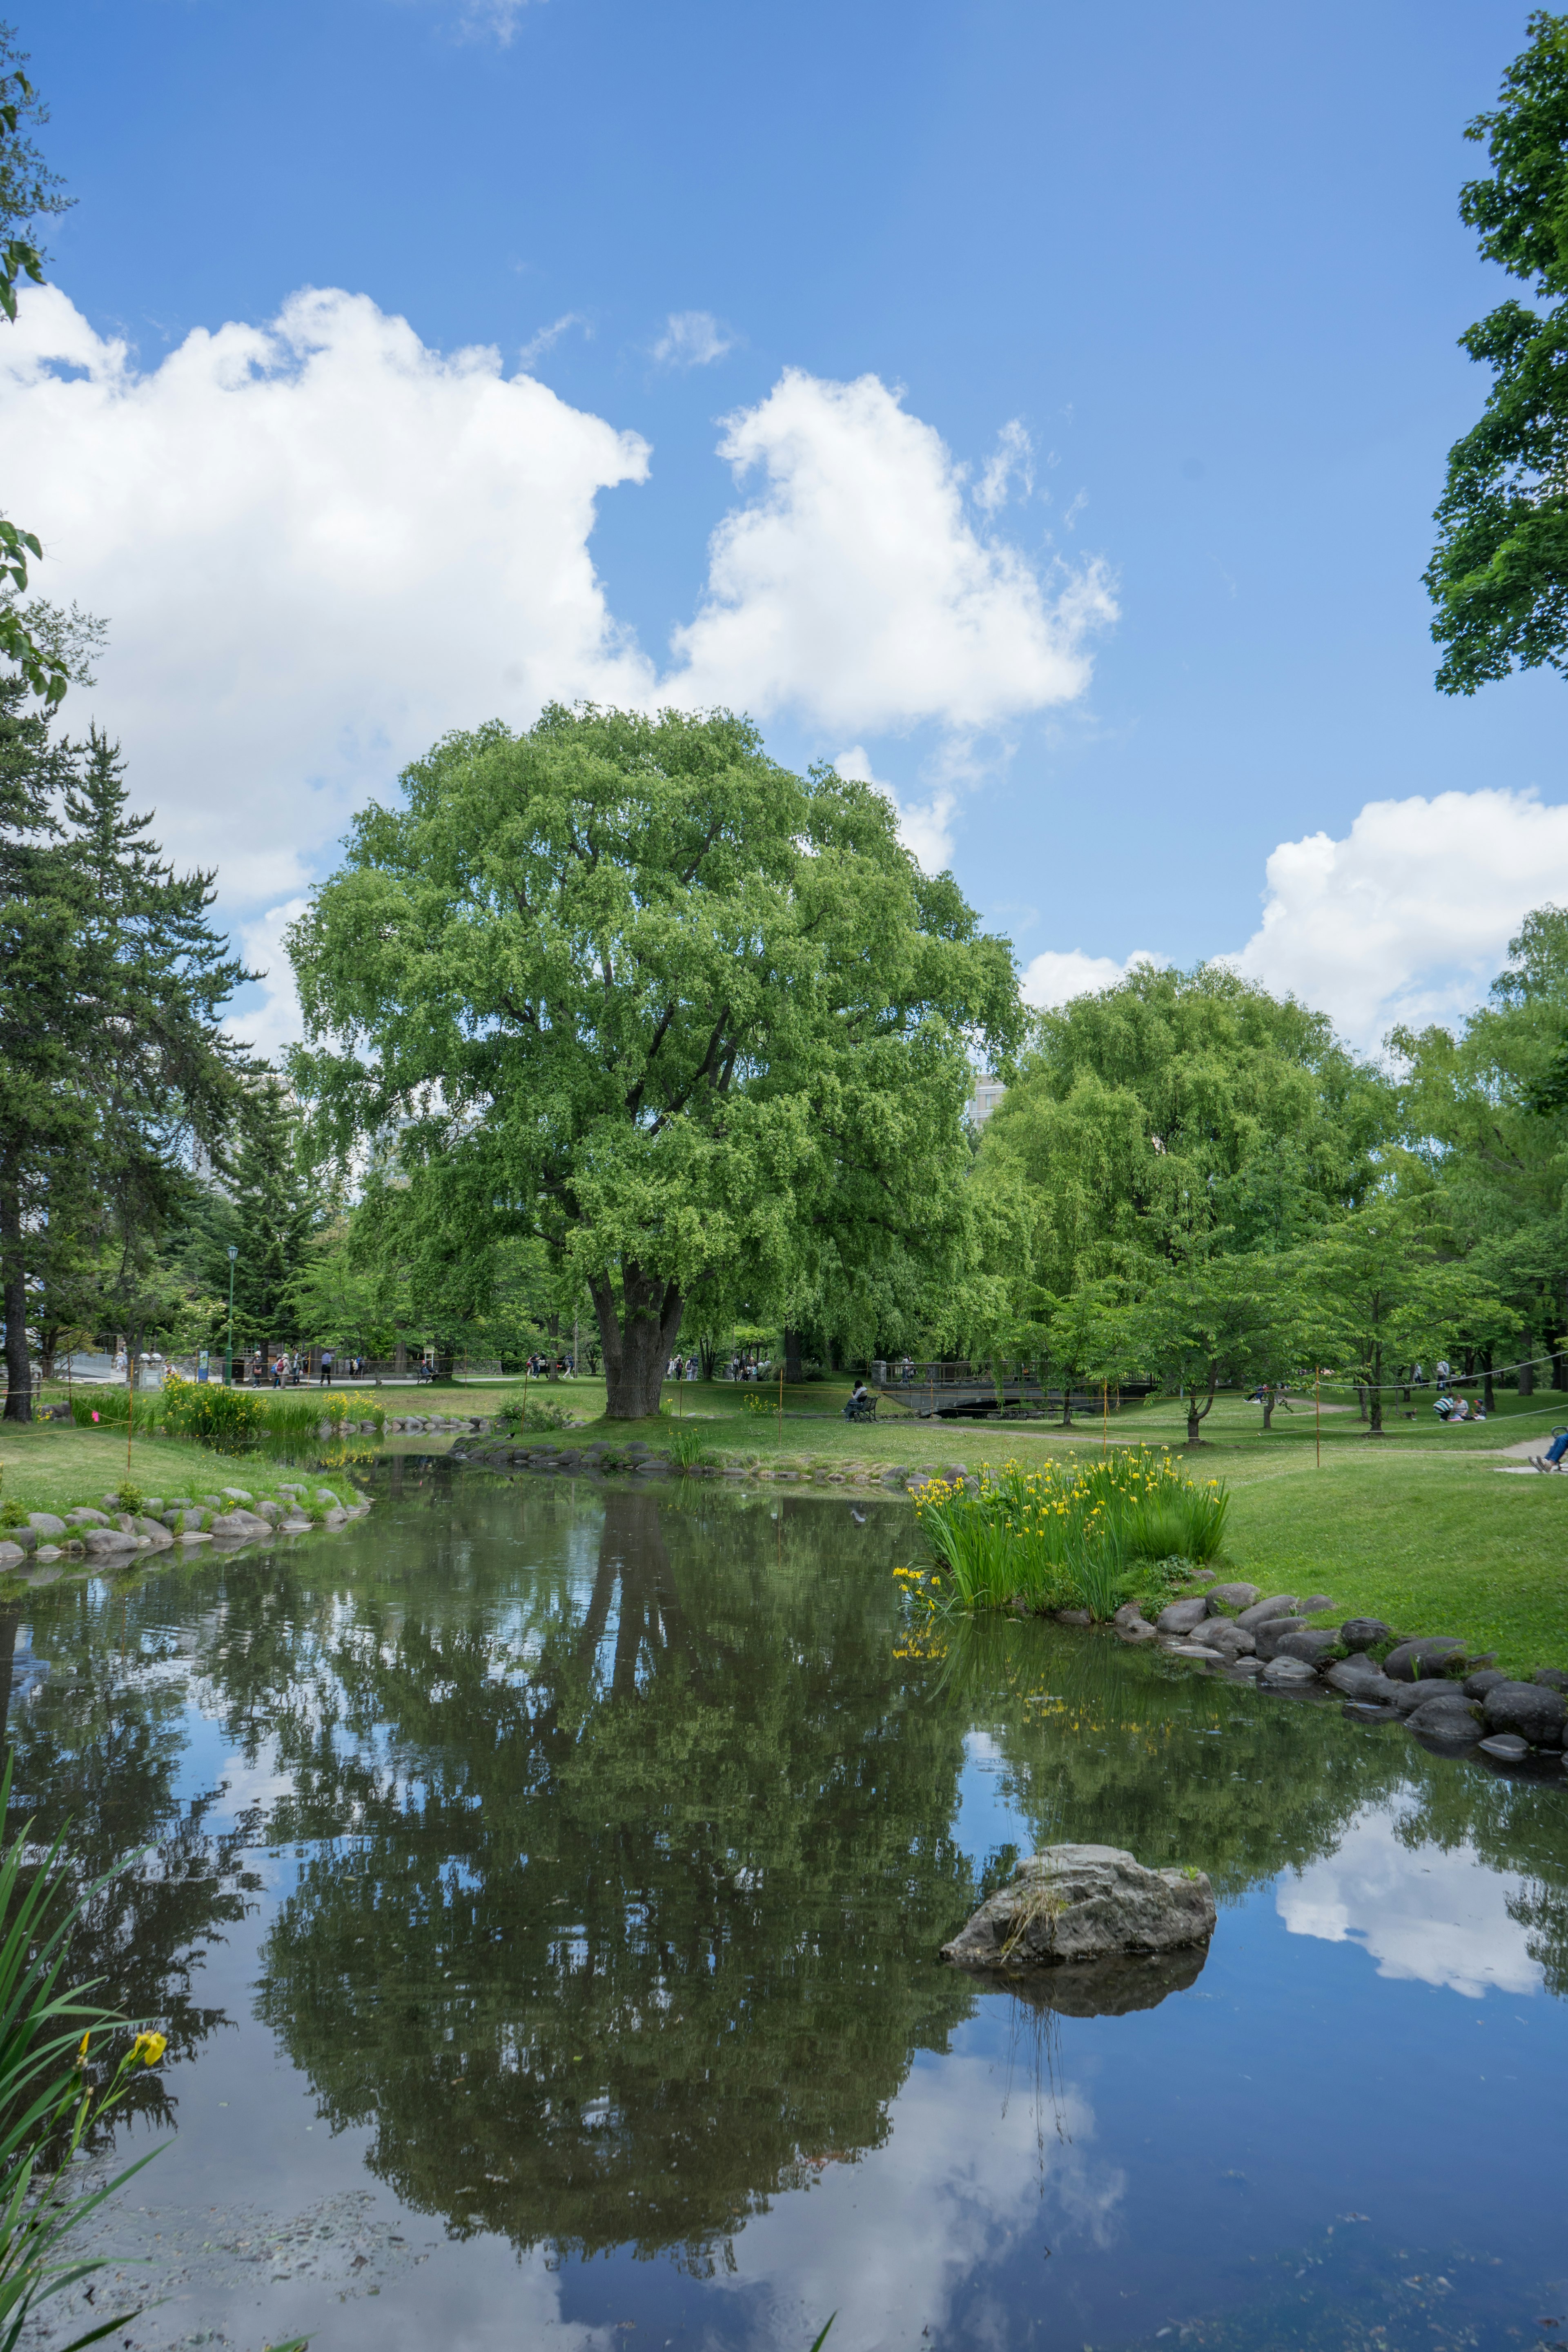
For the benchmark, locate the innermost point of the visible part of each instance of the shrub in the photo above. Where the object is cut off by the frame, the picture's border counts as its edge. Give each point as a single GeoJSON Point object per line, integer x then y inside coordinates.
{"type": "Point", "coordinates": [228, 1420]}
{"type": "Point", "coordinates": [688, 1448]}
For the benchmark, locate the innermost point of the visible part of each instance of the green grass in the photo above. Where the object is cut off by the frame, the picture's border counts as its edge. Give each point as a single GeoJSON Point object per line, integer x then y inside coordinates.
{"type": "Point", "coordinates": [51, 1466]}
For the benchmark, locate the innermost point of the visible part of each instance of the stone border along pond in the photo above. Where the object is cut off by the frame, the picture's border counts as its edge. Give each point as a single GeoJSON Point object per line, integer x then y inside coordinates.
{"type": "Point", "coordinates": [112, 1537]}
{"type": "Point", "coordinates": [1451, 1699]}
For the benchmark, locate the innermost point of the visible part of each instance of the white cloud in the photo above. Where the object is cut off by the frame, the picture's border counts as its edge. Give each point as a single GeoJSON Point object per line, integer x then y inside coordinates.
{"type": "Point", "coordinates": [496, 17]}
{"type": "Point", "coordinates": [925, 827]}
{"type": "Point", "coordinates": [1014, 455]}
{"type": "Point", "coordinates": [548, 336]}
{"type": "Point", "coordinates": [1058, 974]}
{"type": "Point", "coordinates": [691, 339]}
{"type": "Point", "coordinates": [1438, 1918]}
{"type": "Point", "coordinates": [268, 1017]}
{"type": "Point", "coordinates": [1409, 917]}
{"type": "Point", "coordinates": [853, 589]}
{"type": "Point", "coordinates": [318, 544]}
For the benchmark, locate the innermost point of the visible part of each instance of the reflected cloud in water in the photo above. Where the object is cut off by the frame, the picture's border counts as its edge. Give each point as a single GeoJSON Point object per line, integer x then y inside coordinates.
{"type": "Point", "coordinates": [1435, 1916]}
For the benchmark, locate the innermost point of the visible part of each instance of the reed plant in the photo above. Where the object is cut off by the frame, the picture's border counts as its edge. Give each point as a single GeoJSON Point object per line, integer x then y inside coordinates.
{"type": "Point", "coordinates": [1084, 1535]}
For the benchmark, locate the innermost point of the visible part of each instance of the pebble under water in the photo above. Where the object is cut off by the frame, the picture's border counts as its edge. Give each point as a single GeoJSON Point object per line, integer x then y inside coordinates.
{"type": "Point", "coordinates": [541, 1888]}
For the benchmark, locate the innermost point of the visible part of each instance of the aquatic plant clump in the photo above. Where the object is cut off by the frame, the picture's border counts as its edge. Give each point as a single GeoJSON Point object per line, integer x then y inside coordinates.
{"type": "Point", "coordinates": [1071, 1535]}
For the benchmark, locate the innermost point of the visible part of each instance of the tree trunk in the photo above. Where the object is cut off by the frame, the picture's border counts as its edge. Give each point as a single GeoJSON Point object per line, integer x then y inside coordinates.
{"type": "Point", "coordinates": [1361, 1401]}
{"type": "Point", "coordinates": [792, 1358]}
{"type": "Point", "coordinates": [14, 1298]}
{"type": "Point", "coordinates": [1268, 1408]}
{"type": "Point", "coordinates": [552, 1330]}
{"type": "Point", "coordinates": [1197, 1413]}
{"type": "Point", "coordinates": [1489, 1400]}
{"type": "Point", "coordinates": [1526, 1374]}
{"type": "Point", "coordinates": [1376, 1429]}
{"type": "Point", "coordinates": [638, 1339]}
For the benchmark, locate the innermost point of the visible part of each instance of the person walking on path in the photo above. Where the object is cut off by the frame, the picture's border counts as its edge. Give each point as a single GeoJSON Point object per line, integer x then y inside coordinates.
{"type": "Point", "coordinates": [326, 1367]}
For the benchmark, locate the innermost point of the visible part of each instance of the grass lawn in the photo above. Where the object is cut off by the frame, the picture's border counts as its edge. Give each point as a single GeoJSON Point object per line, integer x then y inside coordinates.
{"type": "Point", "coordinates": [49, 1465]}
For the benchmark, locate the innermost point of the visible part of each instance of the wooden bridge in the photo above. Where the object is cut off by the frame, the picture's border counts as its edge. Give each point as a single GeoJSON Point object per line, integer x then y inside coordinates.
{"type": "Point", "coordinates": [962, 1392]}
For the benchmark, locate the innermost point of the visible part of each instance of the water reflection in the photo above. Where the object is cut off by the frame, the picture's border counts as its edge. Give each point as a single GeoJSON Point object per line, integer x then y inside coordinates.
{"type": "Point", "coordinates": [590, 1851]}
{"type": "Point", "coordinates": [1441, 1917]}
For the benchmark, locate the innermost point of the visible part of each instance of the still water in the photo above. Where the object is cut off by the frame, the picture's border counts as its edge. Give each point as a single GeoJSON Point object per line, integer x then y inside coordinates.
{"type": "Point", "coordinates": [541, 1889]}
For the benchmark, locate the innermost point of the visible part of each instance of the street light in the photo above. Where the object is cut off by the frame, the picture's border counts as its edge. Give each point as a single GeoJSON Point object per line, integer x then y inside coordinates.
{"type": "Point", "coordinates": [228, 1359]}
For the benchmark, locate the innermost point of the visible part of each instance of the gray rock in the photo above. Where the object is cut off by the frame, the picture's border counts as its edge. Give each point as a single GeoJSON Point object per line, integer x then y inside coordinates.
{"type": "Point", "coordinates": [1224, 1634]}
{"type": "Point", "coordinates": [26, 1536]}
{"type": "Point", "coordinates": [1129, 1613]}
{"type": "Point", "coordinates": [1552, 1678]}
{"type": "Point", "coordinates": [1075, 1903]}
{"type": "Point", "coordinates": [1072, 1616]}
{"type": "Point", "coordinates": [1247, 1667]}
{"type": "Point", "coordinates": [11, 1555]}
{"type": "Point", "coordinates": [1365, 1632]}
{"type": "Point", "coordinates": [1356, 1677]}
{"type": "Point", "coordinates": [1310, 1645]}
{"type": "Point", "coordinates": [1449, 1716]}
{"type": "Point", "coordinates": [1288, 1674]}
{"type": "Point", "coordinates": [44, 1523]}
{"type": "Point", "coordinates": [49, 1551]}
{"type": "Point", "coordinates": [179, 1503]}
{"type": "Point", "coordinates": [1315, 1603]}
{"type": "Point", "coordinates": [1231, 1596]}
{"type": "Point", "coordinates": [239, 1494]}
{"type": "Point", "coordinates": [1271, 1633]}
{"type": "Point", "coordinates": [1423, 1657]}
{"type": "Point", "coordinates": [270, 1512]}
{"type": "Point", "coordinates": [294, 1527]}
{"type": "Point", "coordinates": [1201, 1576]}
{"type": "Point", "coordinates": [1181, 1616]}
{"type": "Point", "coordinates": [84, 1518]}
{"type": "Point", "coordinates": [1195, 1650]}
{"type": "Point", "coordinates": [211, 1502]}
{"type": "Point", "coordinates": [238, 1522]}
{"type": "Point", "coordinates": [1477, 1685]}
{"type": "Point", "coordinates": [1530, 1709]}
{"type": "Point", "coordinates": [1282, 1605]}
{"type": "Point", "coordinates": [193, 1536]}
{"type": "Point", "coordinates": [1506, 1745]}
{"type": "Point", "coordinates": [1138, 1632]}
{"type": "Point", "coordinates": [1408, 1696]}
{"type": "Point", "coordinates": [108, 1542]}
{"type": "Point", "coordinates": [153, 1505]}
{"type": "Point", "coordinates": [156, 1533]}
{"type": "Point", "coordinates": [335, 1518]}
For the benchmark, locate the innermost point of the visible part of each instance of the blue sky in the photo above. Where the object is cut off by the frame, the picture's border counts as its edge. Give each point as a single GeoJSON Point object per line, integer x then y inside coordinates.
{"type": "Point", "coordinates": [1200, 267]}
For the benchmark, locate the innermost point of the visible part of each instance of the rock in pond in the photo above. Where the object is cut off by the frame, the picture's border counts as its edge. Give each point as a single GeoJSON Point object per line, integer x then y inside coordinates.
{"type": "Point", "coordinates": [1310, 1645]}
{"type": "Point", "coordinates": [1506, 1746]}
{"type": "Point", "coordinates": [1357, 1677]}
{"type": "Point", "coordinates": [1448, 1715]}
{"type": "Point", "coordinates": [1225, 1634]}
{"type": "Point", "coordinates": [1427, 1655]}
{"type": "Point", "coordinates": [1532, 1710]}
{"type": "Point", "coordinates": [1288, 1674]}
{"type": "Point", "coordinates": [1084, 1902]}
{"type": "Point", "coordinates": [1109, 1988]}
{"type": "Point", "coordinates": [1272, 1632]}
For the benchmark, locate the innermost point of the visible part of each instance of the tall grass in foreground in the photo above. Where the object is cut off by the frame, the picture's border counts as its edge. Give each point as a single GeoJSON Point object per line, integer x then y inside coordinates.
{"type": "Point", "coordinates": [1077, 1535]}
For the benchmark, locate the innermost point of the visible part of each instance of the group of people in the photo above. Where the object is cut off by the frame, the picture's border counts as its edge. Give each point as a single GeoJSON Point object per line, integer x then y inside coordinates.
{"type": "Point", "coordinates": [289, 1368]}
{"type": "Point", "coordinates": [683, 1367]}
{"type": "Point", "coordinates": [539, 1366]}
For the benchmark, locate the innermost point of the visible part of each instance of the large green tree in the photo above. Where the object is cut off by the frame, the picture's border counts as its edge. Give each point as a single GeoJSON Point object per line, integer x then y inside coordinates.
{"type": "Point", "coordinates": [29, 191]}
{"type": "Point", "coordinates": [111, 1058]}
{"type": "Point", "coordinates": [625, 984]}
{"type": "Point", "coordinates": [1498, 576]}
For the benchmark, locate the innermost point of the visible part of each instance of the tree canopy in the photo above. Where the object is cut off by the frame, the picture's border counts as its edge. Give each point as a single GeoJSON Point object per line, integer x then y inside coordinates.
{"type": "Point", "coordinates": [624, 984]}
{"type": "Point", "coordinates": [1498, 576]}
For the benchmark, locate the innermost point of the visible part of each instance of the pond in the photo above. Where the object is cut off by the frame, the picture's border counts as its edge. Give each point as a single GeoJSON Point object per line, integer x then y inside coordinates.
{"type": "Point", "coordinates": [542, 1890]}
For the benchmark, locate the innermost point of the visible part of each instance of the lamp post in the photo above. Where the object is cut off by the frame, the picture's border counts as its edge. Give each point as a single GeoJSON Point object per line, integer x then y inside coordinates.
{"type": "Point", "coordinates": [228, 1358]}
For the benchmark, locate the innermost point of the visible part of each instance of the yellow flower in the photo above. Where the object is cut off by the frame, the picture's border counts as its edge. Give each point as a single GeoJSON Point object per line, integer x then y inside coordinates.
{"type": "Point", "coordinates": [81, 2049]}
{"type": "Point", "coordinates": [149, 2047]}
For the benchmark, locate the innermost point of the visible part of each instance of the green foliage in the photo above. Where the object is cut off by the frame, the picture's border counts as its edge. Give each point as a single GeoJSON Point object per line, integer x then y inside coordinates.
{"type": "Point", "coordinates": [29, 191]}
{"type": "Point", "coordinates": [1498, 576]}
{"type": "Point", "coordinates": [689, 1445]}
{"type": "Point", "coordinates": [130, 1497]}
{"type": "Point", "coordinates": [229, 1420]}
{"type": "Point", "coordinates": [50, 2101]}
{"type": "Point", "coordinates": [1079, 1533]}
{"type": "Point", "coordinates": [625, 987]}
{"type": "Point", "coordinates": [534, 1412]}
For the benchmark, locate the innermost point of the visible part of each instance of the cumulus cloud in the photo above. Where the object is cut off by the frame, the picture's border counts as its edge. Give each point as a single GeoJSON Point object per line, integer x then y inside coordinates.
{"type": "Point", "coordinates": [853, 589]}
{"type": "Point", "coordinates": [1013, 457]}
{"type": "Point", "coordinates": [1434, 1915]}
{"type": "Point", "coordinates": [925, 827]}
{"type": "Point", "coordinates": [319, 545]}
{"type": "Point", "coordinates": [267, 1016]}
{"type": "Point", "coordinates": [1407, 917]}
{"type": "Point", "coordinates": [1057, 975]}
{"type": "Point", "coordinates": [691, 339]}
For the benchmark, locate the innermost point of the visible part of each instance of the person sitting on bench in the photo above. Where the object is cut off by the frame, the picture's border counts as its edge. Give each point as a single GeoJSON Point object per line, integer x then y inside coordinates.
{"type": "Point", "coordinates": [862, 1405]}
{"type": "Point", "coordinates": [1553, 1457]}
